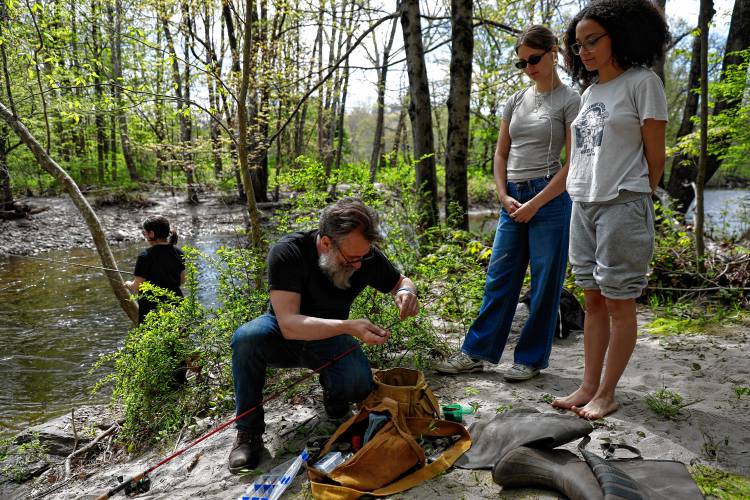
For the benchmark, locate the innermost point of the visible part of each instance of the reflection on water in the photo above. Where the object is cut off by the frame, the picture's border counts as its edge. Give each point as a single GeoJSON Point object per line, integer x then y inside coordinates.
{"type": "Point", "coordinates": [483, 221]}
{"type": "Point", "coordinates": [56, 320]}
{"type": "Point", "coordinates": [727, 211]}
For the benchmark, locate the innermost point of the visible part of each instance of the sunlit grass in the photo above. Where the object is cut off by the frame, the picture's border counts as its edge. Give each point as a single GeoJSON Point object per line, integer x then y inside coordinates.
{"type": "Point", "coordinates": [715, 483]}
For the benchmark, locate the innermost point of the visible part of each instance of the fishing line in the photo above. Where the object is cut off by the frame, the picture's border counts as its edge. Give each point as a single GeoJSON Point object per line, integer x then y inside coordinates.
{"type": "Point", "coordinates": [66, 263]}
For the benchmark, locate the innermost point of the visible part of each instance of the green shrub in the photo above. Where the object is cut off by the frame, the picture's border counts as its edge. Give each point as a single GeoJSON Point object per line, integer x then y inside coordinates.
{"type": "Point", "coordinates": [17, 462]}
{"type": "Point", "coordinates": [149, 370]}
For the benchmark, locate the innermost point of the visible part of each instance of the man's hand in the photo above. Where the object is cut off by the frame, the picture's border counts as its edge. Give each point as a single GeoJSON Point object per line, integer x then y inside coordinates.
{"type": "Point", "coordinates": [367, 332]}
{"type": "Point", "coordinates": [407, 303]}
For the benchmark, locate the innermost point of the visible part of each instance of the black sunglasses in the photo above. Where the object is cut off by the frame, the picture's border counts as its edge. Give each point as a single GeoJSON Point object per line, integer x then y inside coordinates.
{"type": "Point", "coordinates": [522, 63]}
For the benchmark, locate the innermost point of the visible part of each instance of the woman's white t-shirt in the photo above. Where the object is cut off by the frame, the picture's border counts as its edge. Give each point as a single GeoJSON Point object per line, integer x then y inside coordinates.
{"type": "Point", "coordinates": [607, 154]}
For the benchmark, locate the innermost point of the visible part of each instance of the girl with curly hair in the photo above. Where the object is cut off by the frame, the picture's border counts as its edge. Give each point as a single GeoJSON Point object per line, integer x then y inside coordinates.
{"type": "Point", "coordinates": [534, 216]}
{"type": "Point", "coordinates": [617, 158]}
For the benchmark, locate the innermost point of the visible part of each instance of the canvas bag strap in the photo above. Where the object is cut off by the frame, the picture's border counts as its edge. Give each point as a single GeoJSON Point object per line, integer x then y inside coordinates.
{"type": "Point", "coordinates": [444, 462]}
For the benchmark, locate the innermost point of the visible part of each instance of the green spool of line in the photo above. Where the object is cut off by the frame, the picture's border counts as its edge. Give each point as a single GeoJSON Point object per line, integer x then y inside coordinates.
{"type": "Point", "coordinates": [456, 412]}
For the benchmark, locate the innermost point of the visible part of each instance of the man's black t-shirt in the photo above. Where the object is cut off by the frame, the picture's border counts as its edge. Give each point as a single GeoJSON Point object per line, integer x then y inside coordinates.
{"type": "Point", "coordinates": [293, 267]}
{"type": "Point", "coordinates": [160, 265]}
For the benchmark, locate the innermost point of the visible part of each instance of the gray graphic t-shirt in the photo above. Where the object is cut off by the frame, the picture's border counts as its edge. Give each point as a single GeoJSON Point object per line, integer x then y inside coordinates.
{"type": "Point", "coordinates": [607, 148]}
{"type": "Point", "coordinates": [537, 123]}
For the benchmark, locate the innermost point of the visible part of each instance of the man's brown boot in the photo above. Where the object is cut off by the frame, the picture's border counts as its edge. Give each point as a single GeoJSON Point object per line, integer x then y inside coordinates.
{"type": "Point", "coordinates": [246, 452]}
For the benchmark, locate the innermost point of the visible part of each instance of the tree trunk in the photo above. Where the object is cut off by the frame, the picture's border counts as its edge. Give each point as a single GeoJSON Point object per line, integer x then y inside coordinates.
{"type": "Point", "coordinates": [180, 87]}
{"type": "Point", "coordinates": [340, 124]}
{"type": "Point", "coordinates": [6, 193]}
{"type": "Point", "coordinates": [242, 142]}
{"type": "Point", "coordinates": [378, 144]}
{"type": "Point", "coordinates": [186, 119]}
{"type": "Point", "coordinates": [659, 64]}
{"type": "Point", "coordinates": [321, 92]}
{"type": "Point", "coordinates": [420, 114]}
{"type": "Point", "coordinates": [226, 12]}
{"type": "Point", "coordinates": [738, 39]}
{"type": "Point", "coordinates": [92, 221]}
{"type": "Point", "coordinates": [683, 167]}
{"type": "Point", "coordinates": [459, 99]}
{"type": "Point", "coordinates": [99, 120]}
{"type": "Point", "coordinates": [301, 118]}
{"type": "Point", "coordinates": [400, 126]}
{"type": "Point", "coordinates": [257, 113]}
{"type": "Point", "coordinates": [706, 13]}
{"type": "Point", "coordinates": [159, 125]}
{"type": "Point", "coordinates": [116, 53]}
{"type": "Point", "coordinates": [113, 145]}
{"type": "Point", "coordinates": [213, 99]}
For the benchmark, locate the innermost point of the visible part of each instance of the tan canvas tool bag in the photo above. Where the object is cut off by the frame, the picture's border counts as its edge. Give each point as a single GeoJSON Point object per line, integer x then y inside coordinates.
{"type": "Point", "coordinates": [392, 460]}
{"type": "Point", "coordinates": [408, 388]}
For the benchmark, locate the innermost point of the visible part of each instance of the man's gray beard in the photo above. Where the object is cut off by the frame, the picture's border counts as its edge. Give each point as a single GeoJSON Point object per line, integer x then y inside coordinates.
{"type": "Point", "coordinates": [337, 272]}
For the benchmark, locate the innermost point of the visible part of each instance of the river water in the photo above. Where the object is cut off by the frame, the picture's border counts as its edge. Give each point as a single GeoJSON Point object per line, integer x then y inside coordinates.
{"type": "Point", "coordinates": [727, 213]}
{"type": "Point", "coordinates": [56, 320]}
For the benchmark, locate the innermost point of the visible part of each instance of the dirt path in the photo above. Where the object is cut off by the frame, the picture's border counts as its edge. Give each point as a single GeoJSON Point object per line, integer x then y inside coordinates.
{"type": "Point", "coordinates": [703, 368]}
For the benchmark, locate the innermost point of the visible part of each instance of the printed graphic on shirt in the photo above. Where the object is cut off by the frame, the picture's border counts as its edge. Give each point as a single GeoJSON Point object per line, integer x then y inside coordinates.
{"type": "Point", "coordinates": [589, 129]}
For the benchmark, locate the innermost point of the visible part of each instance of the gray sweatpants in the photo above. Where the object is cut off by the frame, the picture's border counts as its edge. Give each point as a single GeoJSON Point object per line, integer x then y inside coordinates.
{"type": "Point", "coordinates": [612, 243]}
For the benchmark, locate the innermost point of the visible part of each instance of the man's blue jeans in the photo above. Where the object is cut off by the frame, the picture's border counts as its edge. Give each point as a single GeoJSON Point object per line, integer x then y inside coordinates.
{"type": "Point", "coordinates": [543, 241]}
{"type": "Point", "coordinates": [259, 344]}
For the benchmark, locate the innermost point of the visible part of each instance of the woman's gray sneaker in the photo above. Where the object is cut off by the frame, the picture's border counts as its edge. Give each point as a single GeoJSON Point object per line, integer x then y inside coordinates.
{"type": "Point", "coordinates": [519, 373]}
{"type": "Point", "coordinates": [459, 363]}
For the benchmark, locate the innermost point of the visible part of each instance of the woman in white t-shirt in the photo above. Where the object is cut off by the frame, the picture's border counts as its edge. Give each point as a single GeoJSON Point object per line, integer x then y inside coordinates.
{"type": "Point", "coordinates": [534, 217]}
{"type": "Point", "coordinates": [617, 158]}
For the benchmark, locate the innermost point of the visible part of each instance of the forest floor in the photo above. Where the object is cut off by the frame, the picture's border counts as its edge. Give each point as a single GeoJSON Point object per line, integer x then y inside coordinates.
{"type": "Point", "coordinates": [705, 368]}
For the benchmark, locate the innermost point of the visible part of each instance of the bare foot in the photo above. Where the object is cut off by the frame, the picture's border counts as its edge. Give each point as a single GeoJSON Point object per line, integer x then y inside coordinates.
{"type": "Point", "coordinates": [597, 408]}
{"type": "Point", "coordinates": [579, 398]}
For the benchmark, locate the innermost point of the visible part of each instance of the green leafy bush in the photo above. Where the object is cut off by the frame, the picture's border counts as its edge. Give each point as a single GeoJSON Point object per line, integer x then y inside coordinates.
{"type": "Point", "coordinates": [17, 462]}
{"type": "Point", "coordinates": [150, 369]}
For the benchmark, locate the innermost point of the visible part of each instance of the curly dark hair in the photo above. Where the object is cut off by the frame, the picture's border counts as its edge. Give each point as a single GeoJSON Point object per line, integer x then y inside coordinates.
{"type": "Point", "coordinates": [637, 30]}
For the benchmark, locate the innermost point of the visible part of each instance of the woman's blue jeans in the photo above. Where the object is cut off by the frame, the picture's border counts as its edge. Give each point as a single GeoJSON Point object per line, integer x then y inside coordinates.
{"type": "Point", "coordinates": [259, 344]}
{"type": "Point", "coordinates": [542, 242]}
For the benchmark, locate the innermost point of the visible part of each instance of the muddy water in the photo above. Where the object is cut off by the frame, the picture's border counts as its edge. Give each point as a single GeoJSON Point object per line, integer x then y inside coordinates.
{"type": "Point", "coordinates": [56, 320]}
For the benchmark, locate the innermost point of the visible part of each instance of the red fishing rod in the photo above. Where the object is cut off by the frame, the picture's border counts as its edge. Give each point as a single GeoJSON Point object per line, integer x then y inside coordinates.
{"type": "Point", "coordinates": [132, 483]}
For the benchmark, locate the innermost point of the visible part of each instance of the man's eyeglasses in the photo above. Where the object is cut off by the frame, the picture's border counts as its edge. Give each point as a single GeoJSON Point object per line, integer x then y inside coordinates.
{"type": "Point", "coordinates": [532, 60]}
{"type": "Point", "coordinates": [358, 260]}
{"type": "Point", "coordinates": [588, 44]}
